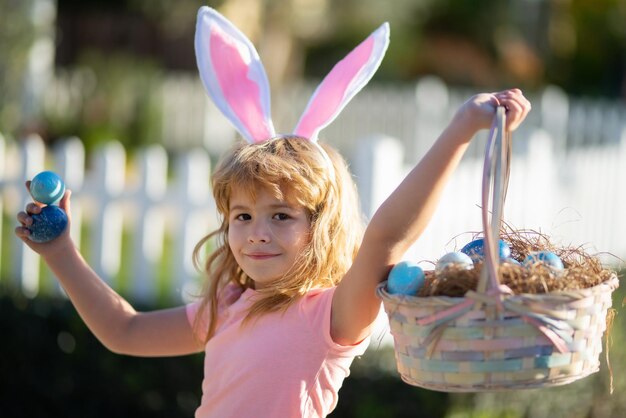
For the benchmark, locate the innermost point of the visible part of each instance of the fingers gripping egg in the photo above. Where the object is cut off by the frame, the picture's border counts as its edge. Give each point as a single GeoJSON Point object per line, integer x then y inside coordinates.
{"type": "Point", "coordinates": [47, 188]}
{"type": "Point", "coordinates": [48, 224]}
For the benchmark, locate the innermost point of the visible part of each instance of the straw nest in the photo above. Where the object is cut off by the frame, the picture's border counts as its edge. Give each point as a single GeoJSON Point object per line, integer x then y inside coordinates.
{"type": "Point", "coordinates": [581, 270]}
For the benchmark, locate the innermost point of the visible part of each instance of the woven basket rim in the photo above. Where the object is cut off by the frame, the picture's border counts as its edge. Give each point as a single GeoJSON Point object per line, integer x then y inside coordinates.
{"type": "Point", "coordinates": [434, 379]}
{"type": "Point", "coordinates": [610, 285]}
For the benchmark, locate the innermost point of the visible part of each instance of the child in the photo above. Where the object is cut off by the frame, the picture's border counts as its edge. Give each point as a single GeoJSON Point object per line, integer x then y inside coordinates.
{"type": "Point", "coordinates": [290, 298]}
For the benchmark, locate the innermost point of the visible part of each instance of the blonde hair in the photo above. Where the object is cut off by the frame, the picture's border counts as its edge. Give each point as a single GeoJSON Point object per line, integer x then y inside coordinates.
{"type": "Point", "coordinates": [295, 169]}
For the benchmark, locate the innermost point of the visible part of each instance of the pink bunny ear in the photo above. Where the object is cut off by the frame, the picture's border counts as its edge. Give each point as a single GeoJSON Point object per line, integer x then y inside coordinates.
{"type": "Point", "coordinates": [344, 81]}
{"type": "Point", "coordinates": [233, 75]}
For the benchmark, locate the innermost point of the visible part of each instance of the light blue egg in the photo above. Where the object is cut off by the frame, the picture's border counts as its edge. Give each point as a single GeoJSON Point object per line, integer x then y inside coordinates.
{"type": "Point", "coordinates": [546, 258]}
{"type": "Point", "coordinates": [47, 188]}
{"type": "Point", "coordinates": [405, 278]}
{"type": "Point", "coordinates": [476, 250]}
{"type": "Point", "coordinates": [455, 259]}
{"type": "Point", "coordinates": [48, 224]}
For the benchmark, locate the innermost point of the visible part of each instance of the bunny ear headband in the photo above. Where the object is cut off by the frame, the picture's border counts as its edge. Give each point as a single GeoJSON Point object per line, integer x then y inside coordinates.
{"type": "Point", "coordinates": [234, 77]}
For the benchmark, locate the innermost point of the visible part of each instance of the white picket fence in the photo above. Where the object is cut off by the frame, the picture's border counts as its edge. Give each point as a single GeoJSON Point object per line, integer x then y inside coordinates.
{"type": "Point", "coordinates": [567, 173]}
{"type": "Point", "coordinates": [414, 113]}
{"type": "Point", "coordinates": [576, 197]}
{"type": "Point", "coordinates": [111, 198]}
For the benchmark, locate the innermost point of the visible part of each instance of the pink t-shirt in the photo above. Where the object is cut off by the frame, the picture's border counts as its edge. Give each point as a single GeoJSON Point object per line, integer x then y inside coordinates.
{"type": "Point", "coordinates": [281, 364]}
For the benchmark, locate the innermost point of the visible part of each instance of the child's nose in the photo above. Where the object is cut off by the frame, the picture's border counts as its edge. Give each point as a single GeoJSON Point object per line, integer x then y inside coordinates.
{"type": "Point", "coordinates": [260, 232]}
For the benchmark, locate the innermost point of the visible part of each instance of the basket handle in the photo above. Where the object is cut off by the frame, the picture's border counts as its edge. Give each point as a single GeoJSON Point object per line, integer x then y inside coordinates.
{"type": "Point", "coordinates": [496, 171]}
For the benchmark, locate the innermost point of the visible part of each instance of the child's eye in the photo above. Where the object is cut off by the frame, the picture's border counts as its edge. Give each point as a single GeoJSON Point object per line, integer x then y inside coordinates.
{"type": "Point", "coordinates": [281, 216]}
{"type": "Point", "coordinates": [243, 217]}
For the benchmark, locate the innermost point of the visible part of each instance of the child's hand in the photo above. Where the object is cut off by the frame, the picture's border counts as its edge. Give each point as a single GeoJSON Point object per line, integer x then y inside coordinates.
{"type": "Point", "coordinates": [26, 220]}
{"type": "Point", "coordinates": [478, 112]}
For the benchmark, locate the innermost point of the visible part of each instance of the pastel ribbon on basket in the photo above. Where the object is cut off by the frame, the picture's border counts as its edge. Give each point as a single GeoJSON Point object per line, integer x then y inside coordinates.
{"type": "Point", "coordinates": [551, 323]}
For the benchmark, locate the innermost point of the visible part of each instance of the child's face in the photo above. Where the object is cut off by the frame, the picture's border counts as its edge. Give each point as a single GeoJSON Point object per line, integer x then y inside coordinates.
{"type": "Point", "coordinates": [266, 235]}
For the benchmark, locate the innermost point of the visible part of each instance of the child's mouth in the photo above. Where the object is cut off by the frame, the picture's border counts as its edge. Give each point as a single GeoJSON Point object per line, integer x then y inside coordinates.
{"type": "Point", "coordinates": [261, 256]}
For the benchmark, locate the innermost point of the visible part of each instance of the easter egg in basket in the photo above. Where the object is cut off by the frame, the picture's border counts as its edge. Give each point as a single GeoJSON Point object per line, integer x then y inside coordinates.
{"type": "Point", "coordinates": [47, 187]}
{"type": "Point", "coordinates": [456, 260]}
{"type": "Point", "coordinates": [476, 250]}
{"type": "Point", "coordinates": [48, 224]}
{"type": "Point", "coordinates": [546, 258]}
{"type": "Point", "coordinates": [405, 278]}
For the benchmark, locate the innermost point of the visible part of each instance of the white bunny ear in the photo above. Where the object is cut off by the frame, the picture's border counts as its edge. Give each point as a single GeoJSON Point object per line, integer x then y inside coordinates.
{"type": "Point", "coordinates": [344, 81]}
{"type": "Point", "coordinates": [233, 75]}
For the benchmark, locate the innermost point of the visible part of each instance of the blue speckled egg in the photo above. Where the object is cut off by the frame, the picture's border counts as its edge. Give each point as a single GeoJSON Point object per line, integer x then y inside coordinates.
{"type": "Point", "coordinates": [456, 260]}
{"type": "Point", "coordinates": [48, 224]}
{"type": "Point", "coordinates": [47, 188]}
{"type": "Point", "coordinates": [546, 258]}
{"type": "Point", "coordinates": [405, 278]}
{"type": "Point", "coordinates": [476, 250]}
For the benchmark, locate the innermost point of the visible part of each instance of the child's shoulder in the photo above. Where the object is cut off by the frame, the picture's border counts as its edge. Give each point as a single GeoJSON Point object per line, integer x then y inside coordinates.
{"type": "Point", "coordinates": [317, 301]}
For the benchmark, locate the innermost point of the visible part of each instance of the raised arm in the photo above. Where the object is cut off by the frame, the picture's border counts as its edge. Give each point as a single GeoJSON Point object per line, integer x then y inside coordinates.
{"type": "Point", "coordinates": [402, 218]}
{"type": "Point", "coordinates": [109, 316]}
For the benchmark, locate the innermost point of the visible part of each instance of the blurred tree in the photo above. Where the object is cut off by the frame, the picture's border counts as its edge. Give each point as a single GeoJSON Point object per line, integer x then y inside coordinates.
{"type": "Point", "coordinates": [108, 96]}
{"type": "Point", "coordinates": [587, 46]}
{"type": "Point", "coordinates": [579, 45]}
{"type": "Point", "coordinates": [27, 48]}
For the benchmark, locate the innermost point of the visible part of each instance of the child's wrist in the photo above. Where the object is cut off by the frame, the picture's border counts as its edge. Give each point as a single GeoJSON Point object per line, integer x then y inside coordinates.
{"type": "Point", "coordinates": [465, 125]}
{"type": "Point", "coordinates": [60, 249]}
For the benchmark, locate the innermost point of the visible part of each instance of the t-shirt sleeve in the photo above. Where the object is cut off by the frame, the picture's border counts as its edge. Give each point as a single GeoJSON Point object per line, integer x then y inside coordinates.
{"type": "Point", "coordinates": [229, 294]}
{"type": "Point", "coordinates": [191, 310]}
{"type": "Point", "coordinates": [316, 309]}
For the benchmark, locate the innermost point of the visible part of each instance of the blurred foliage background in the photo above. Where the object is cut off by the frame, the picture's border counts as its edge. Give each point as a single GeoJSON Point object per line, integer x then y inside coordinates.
{"type": "Point", "coordinates": [114, 54]}
{"type": "Point", "coordinates": [111, 57]}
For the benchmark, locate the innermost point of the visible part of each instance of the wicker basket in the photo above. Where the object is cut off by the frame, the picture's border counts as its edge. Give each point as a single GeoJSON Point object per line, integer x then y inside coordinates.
{"type": "Point", "coordinates": [488, 349]}
{"type": "Point", "coordinates": [491, 339]}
